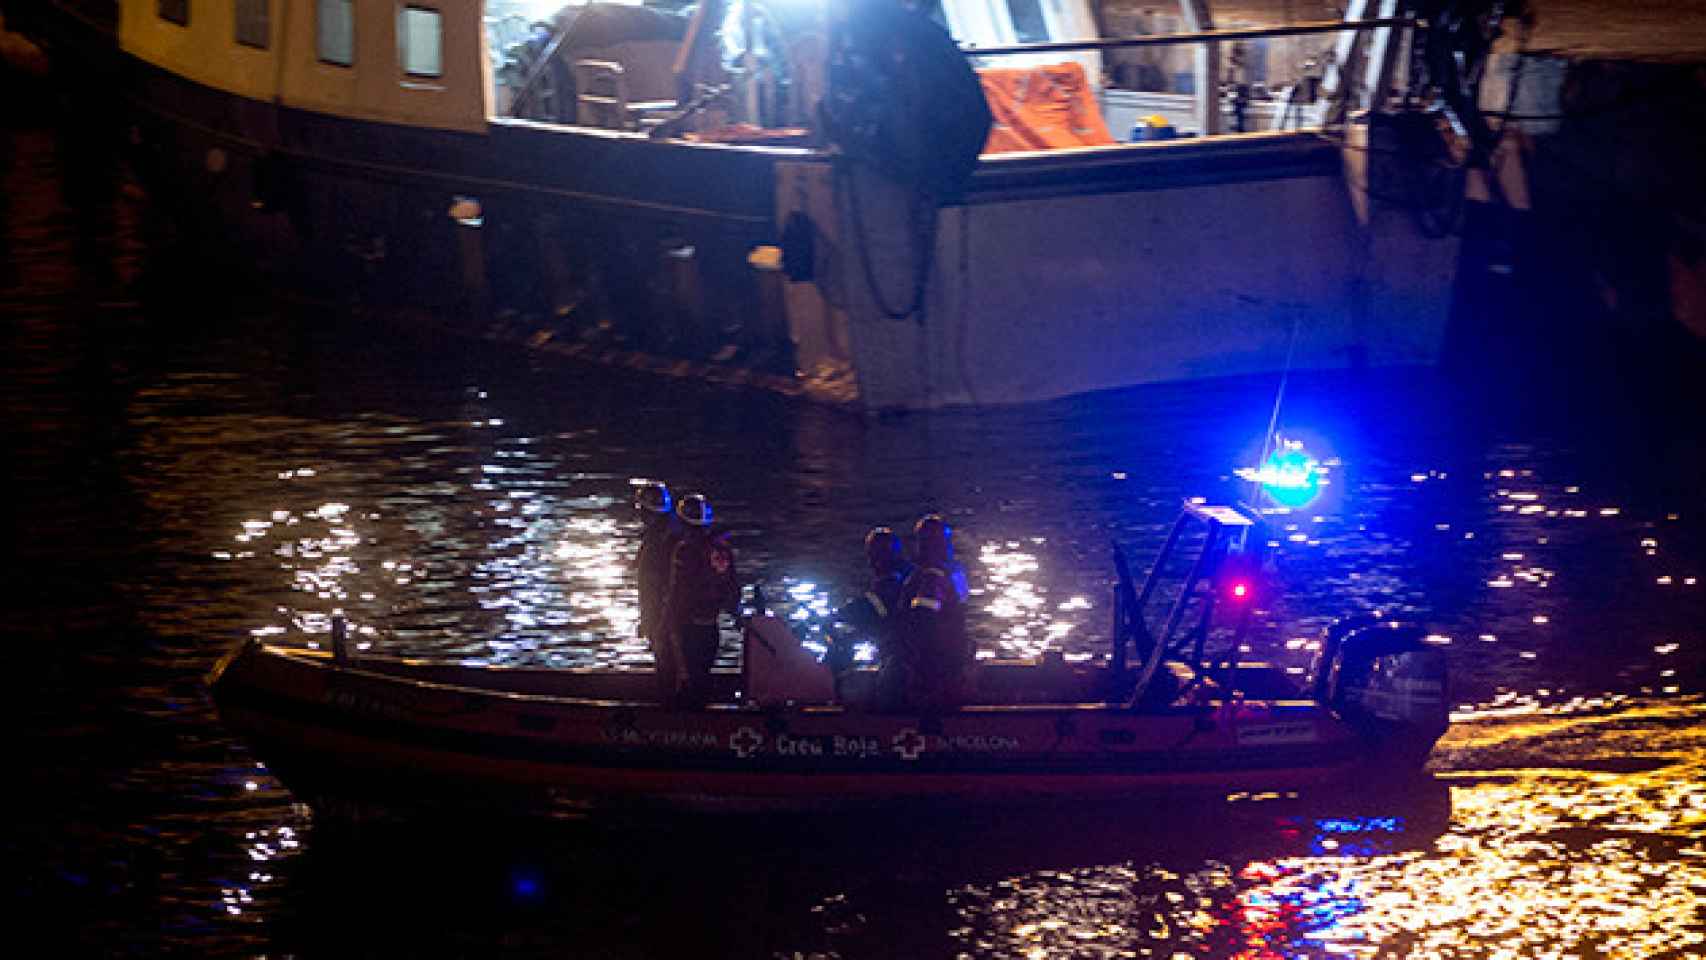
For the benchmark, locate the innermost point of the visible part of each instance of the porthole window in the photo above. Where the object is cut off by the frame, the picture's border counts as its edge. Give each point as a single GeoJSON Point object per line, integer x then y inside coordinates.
{"type": "Point", "coordinates": [254, 28]}
{"type": "Point", "coordinates": [175, 11]}
{"type": "Point", "coordinates": [334, 31]}
{"type": "Point", "coordinates": [420, 42]}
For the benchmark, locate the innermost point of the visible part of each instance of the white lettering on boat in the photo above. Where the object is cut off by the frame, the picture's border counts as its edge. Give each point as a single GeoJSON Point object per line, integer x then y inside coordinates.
{"type": "Point", "coordinates": [798, 746]}
{"type": "Point", "coordinates": [354, 702]}
{"type": "Point", "coordinates": [857, 746]}
{"type": "Point", "coordinates": [1409, 685]}
{"type": "Point", "coordinates": [908, 744]}
{"type": "Point", "coordinates": [633, 736]}
{"type": "Point", "coordinates": [1265, 734]}
{"type": "Point", "coordinates": [979, 743]}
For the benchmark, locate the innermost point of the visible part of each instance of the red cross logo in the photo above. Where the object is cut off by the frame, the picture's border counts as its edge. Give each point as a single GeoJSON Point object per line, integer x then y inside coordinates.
{"type": "Point", "coordinates": [908, 744]}
{"type": "Point", "coordinates": [746, 741]}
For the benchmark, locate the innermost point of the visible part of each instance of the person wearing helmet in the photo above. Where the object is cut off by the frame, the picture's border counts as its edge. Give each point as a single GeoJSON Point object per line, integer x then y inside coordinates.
{"type": "Point", "coordinates": [886, 557]}
{"type": "Point", "coordinates": [702, 584]}
{"type": "Point", "coordinates": [873, 613]}
{"type": "Point", "coordinates": [933, 647]}
{"type": "Point", "coordinates": [660, 531]}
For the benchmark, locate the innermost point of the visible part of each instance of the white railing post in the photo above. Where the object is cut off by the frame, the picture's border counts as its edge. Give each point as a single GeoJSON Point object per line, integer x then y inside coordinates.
{"type": "Point", "coordinates": [1343, 50]}
{"type": "Point", "coordinates": [1377, 74]}
{"type": "Point", "coordinates": [1198, 19]}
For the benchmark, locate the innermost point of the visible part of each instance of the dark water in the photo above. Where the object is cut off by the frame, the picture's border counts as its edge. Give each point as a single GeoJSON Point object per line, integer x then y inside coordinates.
{"type": "Point", "coordinates": [187, 467]}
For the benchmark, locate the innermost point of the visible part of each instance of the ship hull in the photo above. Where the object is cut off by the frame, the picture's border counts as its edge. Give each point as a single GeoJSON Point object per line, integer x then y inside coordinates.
{"type": "Point", "coordinates": [1056, 273]}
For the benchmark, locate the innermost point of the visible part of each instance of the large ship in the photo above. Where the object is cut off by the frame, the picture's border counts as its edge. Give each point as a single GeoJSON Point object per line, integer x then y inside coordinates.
{"type": "Point", "coordinates": [734, 186]}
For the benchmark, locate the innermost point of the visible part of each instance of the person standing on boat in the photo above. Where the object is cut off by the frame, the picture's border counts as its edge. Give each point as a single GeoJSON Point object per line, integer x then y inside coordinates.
{"type": "Point", "coordinates": [702, 585]}
{"type": "Point", "coordinates": [933, 646]}
{"type": "Point", "coordinates": [874, 613]}
{"type": "Point", "coordinates": [660, 531]}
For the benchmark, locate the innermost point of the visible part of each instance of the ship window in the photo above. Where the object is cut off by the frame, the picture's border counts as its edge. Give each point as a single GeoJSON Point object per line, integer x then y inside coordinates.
{"type": "Point", "coordinates": [175, 11]}
{"type": "Point", "coordinates": [1029, 24]}
{"type": "Point", "coordinates": [335, 31]}
{"type": "Point", "coordinates": [419, 42]}
{"type": "Point", "coordinates": [253, 26]}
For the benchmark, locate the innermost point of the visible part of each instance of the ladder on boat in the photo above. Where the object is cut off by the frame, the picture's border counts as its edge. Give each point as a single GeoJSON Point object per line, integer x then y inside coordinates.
{"type": "Point", "coordinates": [1224, 571]}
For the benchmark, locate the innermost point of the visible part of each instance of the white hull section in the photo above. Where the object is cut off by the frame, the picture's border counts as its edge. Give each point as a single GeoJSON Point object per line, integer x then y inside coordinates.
{"type": "Point", "coordinates": [1043, 296]}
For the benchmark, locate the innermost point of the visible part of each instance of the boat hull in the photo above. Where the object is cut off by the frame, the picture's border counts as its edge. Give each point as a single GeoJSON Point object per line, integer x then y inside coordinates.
{"type": "Point", "coordinates": [1091, 269]}
{"type": "Point", "coordinates": [343, 733]}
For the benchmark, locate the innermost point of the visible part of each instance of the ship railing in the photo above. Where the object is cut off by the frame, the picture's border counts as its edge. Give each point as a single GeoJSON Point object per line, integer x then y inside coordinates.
{"type": "Point", "coordinates": [1340, 84]}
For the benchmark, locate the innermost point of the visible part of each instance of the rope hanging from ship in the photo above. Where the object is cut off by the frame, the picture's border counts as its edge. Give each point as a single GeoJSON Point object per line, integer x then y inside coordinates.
{"type": "Point", "coordinates": [921, 224]}
{"type": "Point", "coordinates": [903, 102]}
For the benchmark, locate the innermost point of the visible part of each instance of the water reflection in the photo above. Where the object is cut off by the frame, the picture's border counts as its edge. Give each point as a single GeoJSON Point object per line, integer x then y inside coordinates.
{"type": "Point", "coordinates": [1537, 861]}
{"type": "Point", "coordinates": [886, 885]}
{"type": "Point", "coordinates": [1524, 850]}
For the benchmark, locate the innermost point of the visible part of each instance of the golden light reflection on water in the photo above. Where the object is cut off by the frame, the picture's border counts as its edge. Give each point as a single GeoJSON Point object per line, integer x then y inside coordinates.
{"type": "Point", "coordinates": [1537, 861]}
{"type": "Point", "coordinates": [492, 548]}
{"type": "Point", "coordinates": [562, 579]}
{"type": "Point", "coordinates": [536, 569]}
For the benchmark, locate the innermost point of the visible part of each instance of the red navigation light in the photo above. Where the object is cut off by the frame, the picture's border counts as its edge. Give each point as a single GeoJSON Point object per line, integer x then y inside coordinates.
{"type": "Point", "coordinates": [1240, 591]}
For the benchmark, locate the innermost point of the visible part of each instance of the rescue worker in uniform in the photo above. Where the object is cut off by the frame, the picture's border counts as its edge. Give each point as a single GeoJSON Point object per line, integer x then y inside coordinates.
{"type": "Point", "coordinates": [874, 613]}
{"type": "Point", "coordinates": [931, 633]}
{"type": "Point", "coordinates": [660, 531]}
{"type": "Point", "coordinates": [702, 584]}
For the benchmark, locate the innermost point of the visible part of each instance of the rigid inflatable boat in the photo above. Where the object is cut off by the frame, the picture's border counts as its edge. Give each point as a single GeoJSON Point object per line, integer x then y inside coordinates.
{"type": "Point", "coordinates": [1171, 708]}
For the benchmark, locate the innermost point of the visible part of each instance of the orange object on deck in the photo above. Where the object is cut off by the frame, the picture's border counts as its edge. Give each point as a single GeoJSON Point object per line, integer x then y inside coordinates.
{"type": "Point", "coordinates": [1042, 108]}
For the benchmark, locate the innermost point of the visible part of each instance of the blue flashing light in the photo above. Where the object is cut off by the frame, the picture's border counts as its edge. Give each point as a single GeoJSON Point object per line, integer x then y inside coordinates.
{"type": "Point", "coordinates": [1355, 836]}
{"type": "Point", "coordinates": [1290, 476]}
{"type": "Point", "coordinates": [525, 885]}
{"type": "Point", "coordinates": [1360, 825]}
